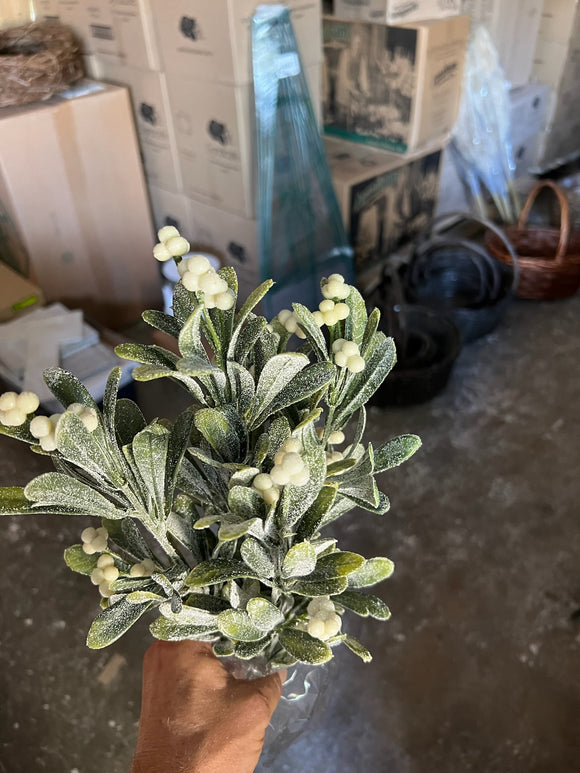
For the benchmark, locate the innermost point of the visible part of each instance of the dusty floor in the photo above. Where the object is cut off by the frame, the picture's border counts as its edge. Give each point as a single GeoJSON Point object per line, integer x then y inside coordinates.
{"type": "Point", "coordinates": [479, 669]}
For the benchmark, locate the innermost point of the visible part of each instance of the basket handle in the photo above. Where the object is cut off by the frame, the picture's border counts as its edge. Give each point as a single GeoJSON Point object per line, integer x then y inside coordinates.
{"type": "Point", "coordinates": [451, 219]}
{"type": "Point", "coordinates": [564, 214]}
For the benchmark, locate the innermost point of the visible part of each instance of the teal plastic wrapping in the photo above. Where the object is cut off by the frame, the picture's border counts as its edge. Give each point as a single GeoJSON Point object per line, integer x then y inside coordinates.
{"type": "Point", "coordinates": [301, 233]}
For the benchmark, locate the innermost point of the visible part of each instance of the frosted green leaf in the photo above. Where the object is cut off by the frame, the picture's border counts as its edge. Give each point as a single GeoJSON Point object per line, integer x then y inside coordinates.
{"type": "Point", "coordinates": [67, 388]}
{"type": "Point", "coordinates": [184, 303]}
{"type": "Point", "coordinates": [257, 558]}
{"type": "Point", "coordinates": [323, 546]}
{"type": "Point", "coordinates": [82, 448]}
{"type": "Point", "coordinates": [216, 571]}
{"type": "Point", "coordinates": [237, 625]}
{"type": "Point", "coordinates": [154, 372]}
{"type": "Point", "coordinates": [179, 436]}
{"type": "Point", "coordinates": [150, 455]}
{"type": "Point", "coordinates": [244, 477]}
{"type": "Point", "coordinates": [166, 323]}
{"type": "Point", "coordinates": [147, 354]}
{"type": "Point", "coordinates": [207, 520]}
{"type": "Point", "coordinates": [283, 659]}
{"type": "Point", "coordinates": [338, 564]}
{"type": "Point", "coordinates": [337, 468]}
{"type": "Point", "coordinates": [21, 433]}
{"type": "Point", "coordinates": [297, 499]}
{"type": "Point", "coordinates": [395, 452]}
{"type": "Point", "coordinates": [195, 366]}
{"type": "Point", "coordinates": [246, 650]}
{"type": "Point", "coordinates": [128, 421]}
{"type": "Point", "coordinates": [220, 433]}
{"type": "Point", "coordinates": [370, 330]}
{"type": "Point", "coordinates": [373, 571]}
{"type": "Point", "coordinates": [379, 364]}
{"type": "Point", "coordinates": [252, 301]}
{"type": "Point", "coordinates": [144, 597]}
{"type": "Point", "coordinates": [212, 604]}
{"type": "Point", "coordinates": [359, 431]}
{"type": "Point", "coordinates": [359, 649]}
{"type": "Point", "coordinates": [167, 630]}
{"type": "Point", "coordinates": [190, 480]}
{"type": "Point", "coordinates": [312, 331]}
{"type": "Point", "coordinates": [189, 616]}
{"type": "Point", "coordinates": [304, 647]}
{"type": "Point", "coordinates": [233, 531]}
{"type": "Point", "coordinates": [126, 534]}
{"type": "Point", "coordinates": [311, 380]}
{"type": "Point", "coordinates": [359, 482]}
{"type": "Point", "coordinates": [113, 622]}
{"type": "Point", "coordinates": [13, 501]}
{"type": "Point", "coordinates": [110, 403]}
{"type": "Point", "coordinates": [316, 513]}
{"type": "Point", "coordinates": [383, 506]}
{"type": "Point", "coordinates": [248, 336]}
{"type": "Point", "coordinates": [224, 648]}
{"type": "Point", "coordinates": [309, 417]}
{"type": "Point", "coordinates": [77, 560]}
{"type": "Point", "coordinates": [278, 433]}
{"type": "Point", "coordinates": [241, 384]}
{"type": "Point", "coordinates": [54, 488]}
{"type": "Point", "coordinates": [363, 604]}
{"type": "Point", "coordinates": [315, 585]}
{"type": "Point", "coordinates": [356, 322]}
{"type": "Point", "coordinates": [278, 372]}
{"type": "Point", "coordinates": [190, 343]}
{"type": "Point", "coordinates": [245, 502]}
{"type": "Point", "coordinates": [264, 614]}
{"type": "Point", "coordinates": [299, 561]}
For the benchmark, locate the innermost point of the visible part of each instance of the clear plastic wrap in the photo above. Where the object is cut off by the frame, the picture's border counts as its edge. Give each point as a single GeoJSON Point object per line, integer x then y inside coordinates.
{"type": "Point", "coordinates": [305, 696]}
{"type": "Point", "coordinates": [301, 233]}
{"type": "Point", "coordinates": [482, 135]}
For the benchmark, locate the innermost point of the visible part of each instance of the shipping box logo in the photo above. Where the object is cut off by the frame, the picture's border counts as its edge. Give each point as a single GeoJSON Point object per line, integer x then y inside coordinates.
{"type": "Point", "coordinates": [446, 74]}
{"type": "Point", "coordinates": [405, 9]}
{"type": "Point", "coordinates": [219, 132]}
{"type": "Point", "coordinates": [238, 251]}
{"type": "Point", "coordinates": [148, 113]}
{"type": "Point", "coordinates": [189, 28]}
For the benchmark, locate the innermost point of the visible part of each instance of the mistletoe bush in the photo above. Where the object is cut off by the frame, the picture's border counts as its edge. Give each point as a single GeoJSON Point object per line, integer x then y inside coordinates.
{"type": "Point", "coordinates": [219, 520]}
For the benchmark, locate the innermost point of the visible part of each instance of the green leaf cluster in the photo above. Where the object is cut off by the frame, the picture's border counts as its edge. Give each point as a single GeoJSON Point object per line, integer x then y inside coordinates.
{"type": "Point", "coordinates": [232, 567]}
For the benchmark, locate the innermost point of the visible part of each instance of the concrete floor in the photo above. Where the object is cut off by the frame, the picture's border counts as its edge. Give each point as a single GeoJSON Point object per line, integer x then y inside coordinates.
{"type": "Point", "coordinates": [478, 669]}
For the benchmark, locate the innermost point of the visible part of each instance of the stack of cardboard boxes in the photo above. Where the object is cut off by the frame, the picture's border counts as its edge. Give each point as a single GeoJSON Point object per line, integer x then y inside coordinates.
{"type": "Point", "coordinates": [187, 64]}
{"type": "Point", "coordinates": [557, 63]}
{"type": "Point", "coordinates": [391, 96]}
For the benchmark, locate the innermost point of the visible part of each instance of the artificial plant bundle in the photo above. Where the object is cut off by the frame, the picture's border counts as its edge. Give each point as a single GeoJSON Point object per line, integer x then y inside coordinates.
{"type": "Point", "coordinates": [219, 520]}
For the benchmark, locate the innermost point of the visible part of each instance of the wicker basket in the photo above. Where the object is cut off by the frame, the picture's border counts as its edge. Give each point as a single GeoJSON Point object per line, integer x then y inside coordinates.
{"type": "Point", "coordinates": [549, 258]}
{"type": "Point", "coordinates": [36, 61]}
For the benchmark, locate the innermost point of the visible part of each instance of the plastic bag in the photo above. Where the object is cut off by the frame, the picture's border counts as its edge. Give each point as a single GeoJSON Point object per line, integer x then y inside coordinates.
{"type": "Point", "coordinates": [301, 233]}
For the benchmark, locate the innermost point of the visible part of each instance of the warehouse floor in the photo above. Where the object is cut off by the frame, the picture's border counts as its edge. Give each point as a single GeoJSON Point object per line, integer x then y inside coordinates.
{"type": "Point", "coordinates": [479, 669]}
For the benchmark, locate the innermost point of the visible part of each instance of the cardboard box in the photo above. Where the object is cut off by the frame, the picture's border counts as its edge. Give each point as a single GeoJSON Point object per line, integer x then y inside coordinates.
{"type": "Point", "coordinates": [529, 110]}
{"type": "Point", "coordinates": [211, 39]}
{"type": "Point", "coordinates": [46, 10]}
{"type": "Point", "coordinates": [16, 294]}
{"type": "Point", "coordinates": [396, 11]}
{"type": "Point", "coordinates": [150, 102]}
{"type": "Point", "coordinates": [83, 215]}
{"type": "Point", "coordinates": [514, 27]}
{"type": "Point", "coordinates": [557, 62]}
{"type": "Point", "coordinates": [385, 199]}
{"type": "Point", "coordinates": [214, 128]}
{"type": "Point", "coordinates": [100, 35]}
{"type": "Point", "coordinates": [171, 209]}
{"type": "Point", "coordinates": [133, 21]}
{"type": "Point", "coordinates": [394, 87]}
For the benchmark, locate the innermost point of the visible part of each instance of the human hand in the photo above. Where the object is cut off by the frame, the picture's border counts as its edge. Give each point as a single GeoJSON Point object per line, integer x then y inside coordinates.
{"type": "Point", "coordinates": [196, 717]}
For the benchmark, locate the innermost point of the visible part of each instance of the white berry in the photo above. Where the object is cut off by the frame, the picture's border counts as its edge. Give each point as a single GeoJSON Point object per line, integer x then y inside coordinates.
{"type": "Point", "coordinates": [161, 253]}
{"type": "Point", "coordinates": [336, 438]}
{"type": "Point", "coordinates": [27, 402]}
{"type": "Point", "coordinates": [41, 427]}
{"type": "Point", "coordinates": [177, 246]}
{"type": "Point", "coordinates": [167, 232]}
{"type": "Point", "coordinates": [8, 401]}
{"type": "Point", "coordinates": [263, 482]}
{"type": "Point", "coordinates": [105, 560]}
{"type": "Point", "coordinates": [356, 364]}
{"type": "Point", "coordinates": [316, 628]}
